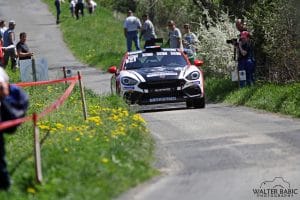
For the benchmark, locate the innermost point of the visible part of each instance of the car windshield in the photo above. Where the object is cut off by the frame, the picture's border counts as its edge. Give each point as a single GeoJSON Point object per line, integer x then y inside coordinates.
{"type": "Point", "coordinates": [156, 59]}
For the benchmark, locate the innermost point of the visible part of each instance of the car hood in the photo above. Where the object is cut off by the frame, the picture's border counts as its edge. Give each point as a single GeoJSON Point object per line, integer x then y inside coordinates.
{"type": "Point", "coordinates": [159, 73]}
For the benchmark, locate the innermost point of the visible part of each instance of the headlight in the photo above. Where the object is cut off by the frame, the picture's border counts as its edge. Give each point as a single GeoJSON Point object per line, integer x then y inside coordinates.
{"type": "Point", "coordinates": [193, 76]}
{"type": "Point", "coordinates": [128, 81]}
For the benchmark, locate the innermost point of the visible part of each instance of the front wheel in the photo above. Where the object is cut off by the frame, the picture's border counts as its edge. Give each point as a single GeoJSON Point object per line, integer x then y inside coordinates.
{"type": "Point", "coordinates": [199, 103]}
{"type": "Point", "coordinates": [196, 103]}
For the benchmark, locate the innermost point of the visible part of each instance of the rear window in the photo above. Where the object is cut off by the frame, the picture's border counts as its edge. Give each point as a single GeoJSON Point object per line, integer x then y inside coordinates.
{"type": "Point", "coordinates": [155, 59]}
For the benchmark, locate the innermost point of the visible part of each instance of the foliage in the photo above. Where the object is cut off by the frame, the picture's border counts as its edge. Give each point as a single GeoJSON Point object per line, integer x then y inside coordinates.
{"type": "Point", "coordinates": [120, 5]}
{"type": "Point", "coordinates": [213, 49]}
{"type": "Point", "coordinates": [273, 24]}
{"type": "Point", "coordinates": [94, 159]}
{"type": "Point", "coordinates": [275, 28]}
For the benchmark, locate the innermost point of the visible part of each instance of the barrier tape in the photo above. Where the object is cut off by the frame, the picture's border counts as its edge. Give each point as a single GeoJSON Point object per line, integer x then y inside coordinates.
{"type": "Point", "coordinates": [59, 101]}
{"type": "Point", "coordinates": [55, 105]}
{"type": "Point", "coordinates": [26, 84]}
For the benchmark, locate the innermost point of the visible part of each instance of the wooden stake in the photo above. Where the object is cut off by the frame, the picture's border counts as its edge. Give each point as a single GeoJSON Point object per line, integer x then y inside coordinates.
{"type": "Point", "coordinates": [65, 74]}
{"type": "Point", "coordinates": [82, 96]}
{"type": "Point", "coordinates": [33, 69]}
{"type": "Point", "coordinates": [37, 151]}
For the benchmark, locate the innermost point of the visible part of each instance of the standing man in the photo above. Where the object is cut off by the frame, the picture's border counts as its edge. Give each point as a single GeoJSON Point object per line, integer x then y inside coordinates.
{"type": "Point", "coordinates": [79, 7]}
{"type": "Point", "coordinates": [14, 104]}
{"type": "Point", "coordinates": [9, 45]}
{"type": "Point", "coordinates": [3, 28]}
{"type": "Point", "coordinates": [190, 41]}
{"type": "Point", "coordinates": [58, 11]}
{"type": "Point", "coordinates": [246, 59]}
{"type": "Point", "coordinates": [132, 25]}
{"type": "Point", "coordinates": [148, 31]}
{"type": "Point", "coordinates": [175, 38]}
{"type": "Point", "coordinates": [22, 48]}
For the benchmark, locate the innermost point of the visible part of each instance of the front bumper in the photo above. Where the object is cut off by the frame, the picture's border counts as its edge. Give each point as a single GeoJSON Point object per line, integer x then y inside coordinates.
{"type": "Point", "coordinates": [164, 92]}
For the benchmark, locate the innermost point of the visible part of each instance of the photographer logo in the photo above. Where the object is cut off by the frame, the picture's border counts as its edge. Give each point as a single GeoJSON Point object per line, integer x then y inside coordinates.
{"type": "Point", "coordinates": [276, 188]}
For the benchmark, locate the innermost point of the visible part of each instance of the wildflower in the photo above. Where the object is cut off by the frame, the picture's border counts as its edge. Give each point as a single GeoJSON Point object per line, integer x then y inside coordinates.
{"type": "Point", "coordinates": [104, 160]}
{"type": "Point", "coordinates": [31, 190]}
{"type": "Point", "coordinates": [138, 118]}
{"type": "Point", "coordinates": [59, 126]}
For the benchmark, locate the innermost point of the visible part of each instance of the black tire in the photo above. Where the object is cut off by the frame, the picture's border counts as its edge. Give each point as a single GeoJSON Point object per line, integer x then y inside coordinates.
{"type": "Point", "coordinates": [189, 103]}
{"type": "Point", "coordinates": [199, 103]}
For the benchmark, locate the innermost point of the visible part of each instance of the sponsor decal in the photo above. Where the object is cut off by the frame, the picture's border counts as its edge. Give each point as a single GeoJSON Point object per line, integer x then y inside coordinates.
{"type": "Point", "coordinates": [162, 53]}
{"type": "Point", "coordinates": [131, 59]}
{"type": "Point", "coordinates": [161, 74]}
{"type": "Point", "coordinates": [276, 188]}
{"type": "Point", "coordinates": [162, 90]}
{"type": "Point", "coordinates": [161, 99]}
{"type": "Point", "coordinates": [175, 53]}
{"type": "Point", "coordinates": [147, 54]}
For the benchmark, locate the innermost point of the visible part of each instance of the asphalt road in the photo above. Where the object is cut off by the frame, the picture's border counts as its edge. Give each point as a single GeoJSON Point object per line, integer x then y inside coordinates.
{"type": "Point", "coordinates": [220, 152]}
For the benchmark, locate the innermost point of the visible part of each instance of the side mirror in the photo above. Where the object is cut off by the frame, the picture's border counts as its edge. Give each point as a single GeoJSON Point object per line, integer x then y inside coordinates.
{"type": "Point", "coordinates": [198, 63]}
{"type": "Point", "coordinates": [112, 69]}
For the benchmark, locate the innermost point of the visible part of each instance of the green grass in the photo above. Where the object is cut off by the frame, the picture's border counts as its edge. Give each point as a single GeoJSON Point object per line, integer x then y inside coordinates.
{"type": "Point", "coordinates": [94, 159]}
{"type": "Point", "coordinates": [96, 39]}
{"type": "Point", "coordinates": [284, 99]}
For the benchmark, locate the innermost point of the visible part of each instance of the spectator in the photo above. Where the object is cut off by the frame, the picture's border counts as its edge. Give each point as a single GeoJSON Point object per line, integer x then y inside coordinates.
{"type": "Point", "coordinates": [1, 52]}
{"type": "Point", "coordinates": [240, 25]}
{"type": "Point", "coordinates": [175, 37]}
{"type": "Point", "coordinates": [91, 5]}
{"type": "Point", "coordinates": [14, 104]}
{"type": "Point", "coordinates": [79, 8]}
{"type": "Point", "coordinates": [246, 59]}
{"type": "Point", "coordinates": [22, 48]}
{"type": "Point", "coordinates": [131, 26]}
{"type": "Point", "coordinates": [148, 31]}
{"type": "Point", "coordinates": [72, 7]}
{"type": "Point", "coordinates": [190, 42]}
{"type": "Point", "coordinates": [58, 11]}
{"type": "Point", "coordinates": [9, 45]}
{"type": "Point", "coordinates": [3, 28]}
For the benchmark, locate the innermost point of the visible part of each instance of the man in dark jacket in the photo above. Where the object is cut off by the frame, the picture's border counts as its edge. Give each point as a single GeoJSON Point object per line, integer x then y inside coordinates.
{"type": "Point", "coordinates": [13, 105]}
{"type": "Point", "coordinates": [246, 59]}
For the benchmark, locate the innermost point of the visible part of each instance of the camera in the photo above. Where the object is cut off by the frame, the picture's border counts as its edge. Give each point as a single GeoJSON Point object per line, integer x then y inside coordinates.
{"type": "Point", "coordinates": [233, 41]}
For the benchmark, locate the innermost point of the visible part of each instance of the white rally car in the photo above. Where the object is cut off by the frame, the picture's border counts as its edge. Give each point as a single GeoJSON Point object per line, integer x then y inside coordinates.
{"type": "Point", "coordinates": [159, 75]}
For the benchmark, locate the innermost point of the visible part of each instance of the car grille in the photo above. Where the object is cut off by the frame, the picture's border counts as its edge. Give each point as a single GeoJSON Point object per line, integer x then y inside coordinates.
{"type": "Point", "coordinates": [162, 84]}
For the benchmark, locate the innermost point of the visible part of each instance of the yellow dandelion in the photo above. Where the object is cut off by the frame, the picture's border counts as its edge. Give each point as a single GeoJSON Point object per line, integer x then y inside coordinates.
{"type": "Point", "coordinates": [59, 125]}
{"type": "Point", "coordinates": [70, 128]}
{"type": "Point", "coordinates": [138, 118]}
{"type": "Point", "coordinates": [104, 160]}
{"type": "Point", "coordinates": [77, 139]}
{"type": "Point", "coordinates": [31, 190]}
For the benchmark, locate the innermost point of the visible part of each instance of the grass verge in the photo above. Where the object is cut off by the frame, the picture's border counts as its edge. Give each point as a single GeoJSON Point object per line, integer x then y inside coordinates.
{"type": "Point", "coordinates": [94, 159]}
{"type": "Point", "coordinates": [284, 98]}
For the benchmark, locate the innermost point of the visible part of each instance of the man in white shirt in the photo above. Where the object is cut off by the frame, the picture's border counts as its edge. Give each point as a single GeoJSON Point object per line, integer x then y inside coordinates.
{"type": "Point", "coordinates": [175, 37]}
{"type": "Point", "coordinates": [3, 28]}
{"type": "Point", "coordinates": [132, 25]}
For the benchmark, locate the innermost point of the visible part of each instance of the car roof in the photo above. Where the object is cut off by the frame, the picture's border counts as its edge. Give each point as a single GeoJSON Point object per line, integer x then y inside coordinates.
{"type": "Point", "coordinates": [152, 49]}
